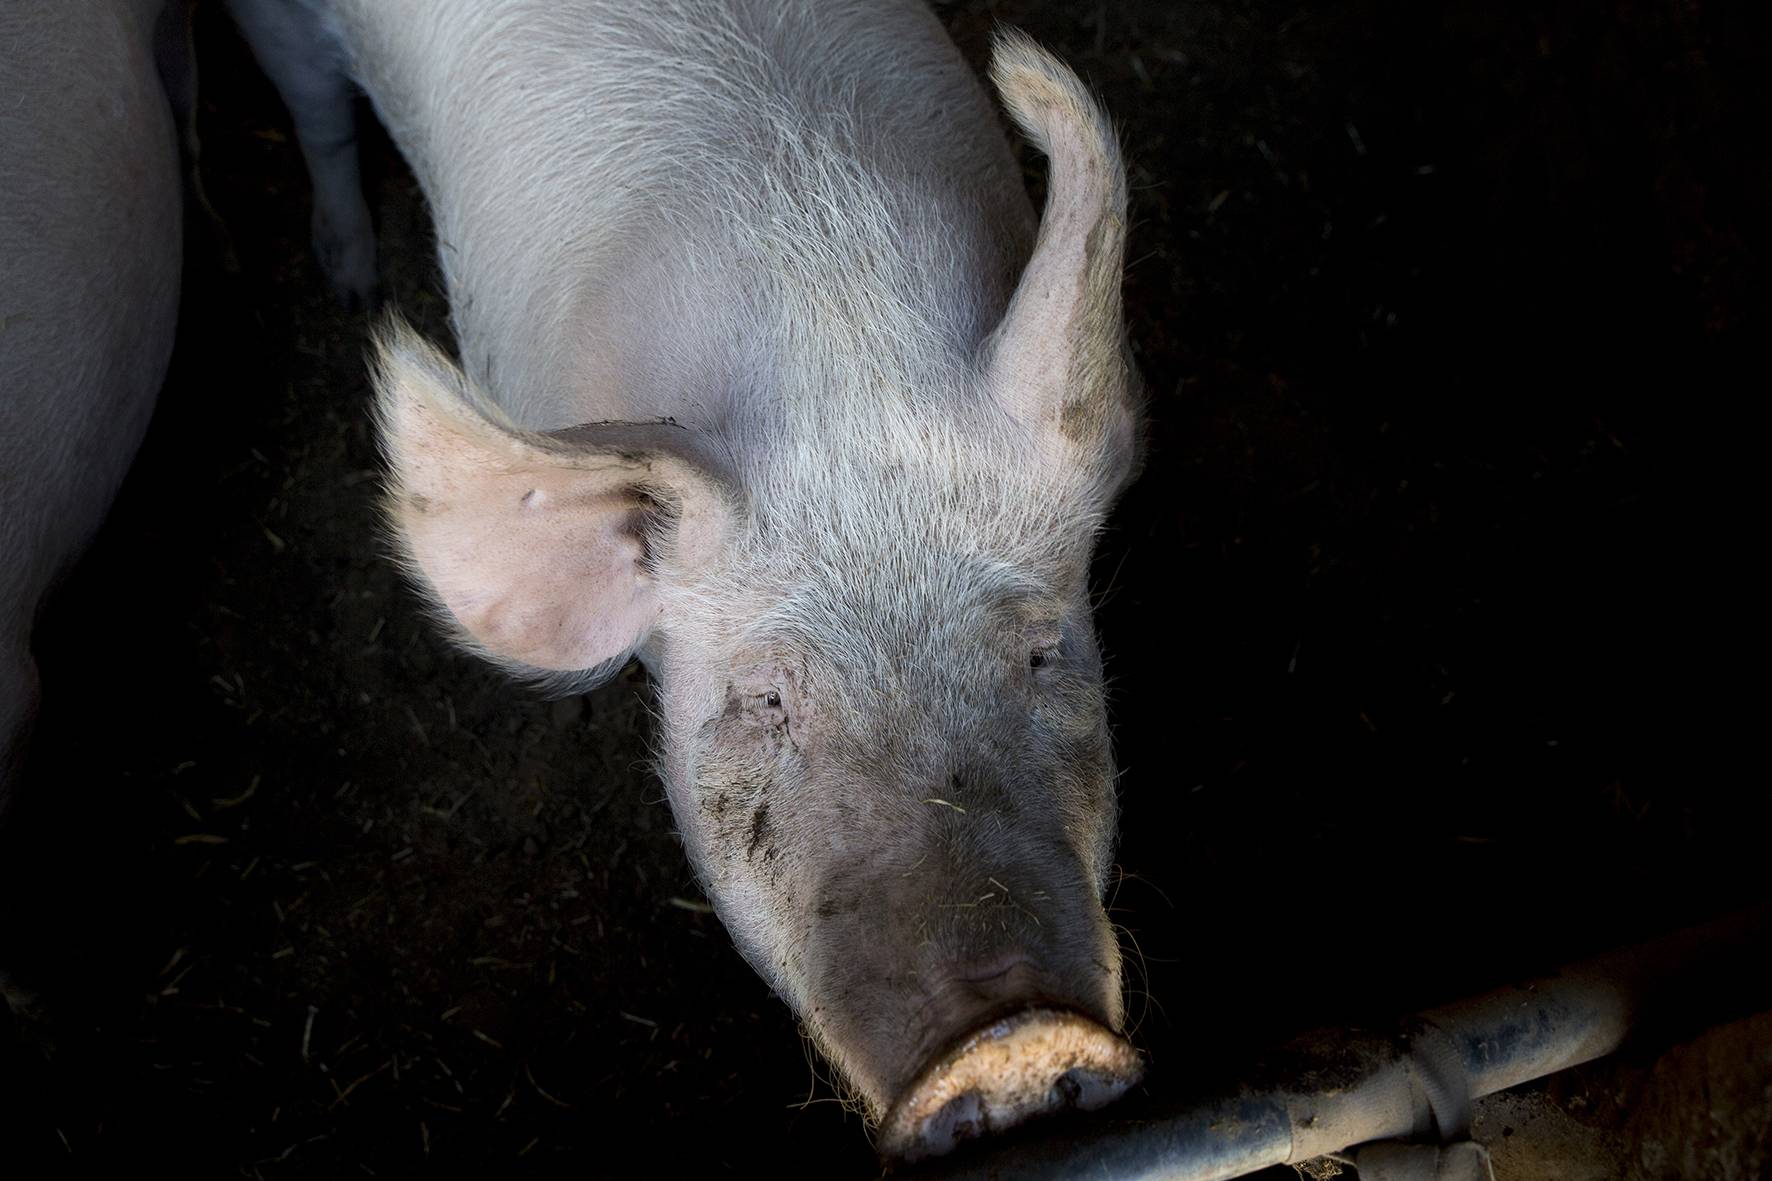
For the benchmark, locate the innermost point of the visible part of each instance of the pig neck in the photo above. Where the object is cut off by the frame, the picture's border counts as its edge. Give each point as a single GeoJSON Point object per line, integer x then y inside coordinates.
{"type": "Point", "coordinates": [654, 211]}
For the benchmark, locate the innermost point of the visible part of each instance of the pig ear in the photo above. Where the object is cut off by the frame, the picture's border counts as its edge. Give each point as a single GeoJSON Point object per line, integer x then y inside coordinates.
{"type": "Point", "coordinates": [544, 549]}
{"type": "Point", "coordinates": [1057, 362]}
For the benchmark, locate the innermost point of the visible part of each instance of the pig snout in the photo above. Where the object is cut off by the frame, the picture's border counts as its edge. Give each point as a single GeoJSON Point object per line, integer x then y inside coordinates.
{"type": "Point", "coordinates": [1027, 1063]}
{"type": "Point", "coordinates": [962, 1012]}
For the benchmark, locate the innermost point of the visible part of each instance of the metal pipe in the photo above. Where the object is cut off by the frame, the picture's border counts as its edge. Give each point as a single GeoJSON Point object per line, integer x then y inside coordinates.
{"type": "Point", "coordinates": [1334, 1089]}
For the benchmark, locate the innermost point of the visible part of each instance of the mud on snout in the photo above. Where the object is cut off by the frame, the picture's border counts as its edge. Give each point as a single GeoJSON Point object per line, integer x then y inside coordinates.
{"type": "Point", "coordinates": [965, 1006]}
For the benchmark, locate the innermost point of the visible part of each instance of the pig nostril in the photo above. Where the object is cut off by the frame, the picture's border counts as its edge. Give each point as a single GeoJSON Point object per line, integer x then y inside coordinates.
{"type": "Point", "coordinates": [960, 1120]}
{"type": "Point", "coordinates": [1068, 1088]}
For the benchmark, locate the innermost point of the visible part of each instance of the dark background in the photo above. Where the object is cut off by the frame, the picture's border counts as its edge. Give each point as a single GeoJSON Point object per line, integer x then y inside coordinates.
{"type": "Point", "coordinates": [1432, 627]}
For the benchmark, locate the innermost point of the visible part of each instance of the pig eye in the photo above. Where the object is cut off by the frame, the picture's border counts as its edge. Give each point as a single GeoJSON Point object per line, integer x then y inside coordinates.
{"type": "Point", "coordinates": [1041, 657]}
{"type": "Point", "coordinates": [772, 699]}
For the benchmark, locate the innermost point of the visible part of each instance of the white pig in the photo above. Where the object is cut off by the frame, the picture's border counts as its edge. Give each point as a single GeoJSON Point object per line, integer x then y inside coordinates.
{"type": "Point", "coordinates": [766, 378]}
{"type": "Point", "coordinates": [90, 245]}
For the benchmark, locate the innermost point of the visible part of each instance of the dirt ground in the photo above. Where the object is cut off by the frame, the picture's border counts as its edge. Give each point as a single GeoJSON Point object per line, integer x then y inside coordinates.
{"type": "Point", "coordinates": [1434, 641]}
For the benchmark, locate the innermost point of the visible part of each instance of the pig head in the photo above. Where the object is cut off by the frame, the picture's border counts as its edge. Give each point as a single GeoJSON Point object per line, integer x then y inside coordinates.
{"type": "Point", "coordinates": [863, 596]}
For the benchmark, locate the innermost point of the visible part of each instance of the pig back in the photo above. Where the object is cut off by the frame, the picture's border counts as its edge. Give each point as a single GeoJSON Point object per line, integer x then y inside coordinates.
{"type": "Point", "coordinates": [621, 191]}
{"type": "Point", "coordinates": [89, 271]}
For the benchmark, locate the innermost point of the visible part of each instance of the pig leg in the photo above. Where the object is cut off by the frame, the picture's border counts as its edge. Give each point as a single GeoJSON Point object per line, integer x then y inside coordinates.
{"type": "Point", "coordinates": [175, 55]}
{"type": "Point", "coordinates": [307, 65]}
{"type": "Point", "coordinates": [176, 59]}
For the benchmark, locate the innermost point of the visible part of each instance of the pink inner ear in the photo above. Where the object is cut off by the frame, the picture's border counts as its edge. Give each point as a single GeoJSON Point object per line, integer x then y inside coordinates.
{"type": "Point", "coordinates": [539, 565]}
{"type": "Point", "coordinates": [532, 542]}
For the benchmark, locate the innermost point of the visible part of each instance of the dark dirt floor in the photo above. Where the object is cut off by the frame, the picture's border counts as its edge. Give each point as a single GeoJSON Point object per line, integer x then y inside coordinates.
{"type": "Point", "coordinates": [1432, 627]}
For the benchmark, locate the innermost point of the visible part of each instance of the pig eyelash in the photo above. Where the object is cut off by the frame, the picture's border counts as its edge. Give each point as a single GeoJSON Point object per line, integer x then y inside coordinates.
{"type": "Point", "coordinates": [775, 715]}
{"type": "Point", "coordinates": [766, 699]}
